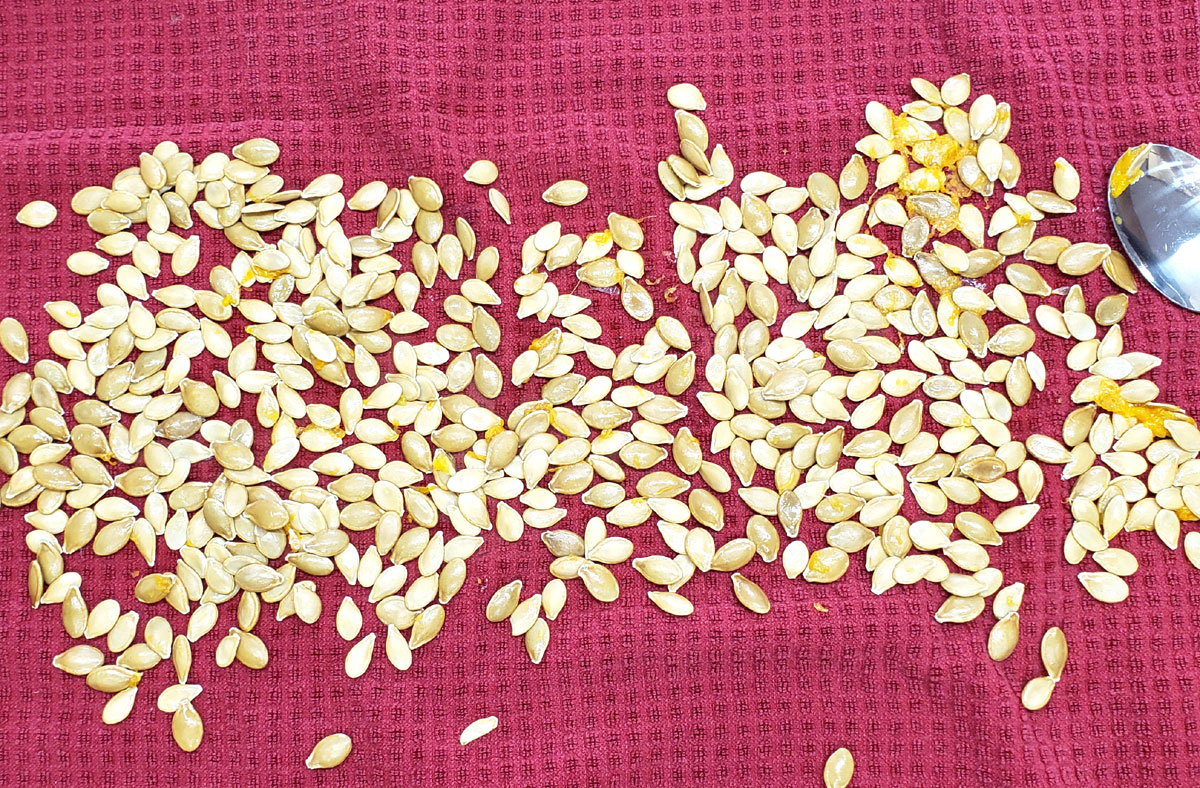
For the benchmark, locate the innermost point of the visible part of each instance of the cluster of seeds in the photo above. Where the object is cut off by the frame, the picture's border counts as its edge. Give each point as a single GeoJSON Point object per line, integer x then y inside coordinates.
{"type": "Point", "coordinates": [416, 458]}
{"type": "Point", "coordinates": [1036, 693]}
{"type": "Point", "coordinates": [549, 249]}
{"type": "Point", "coordinates": [236, 538]}
{"type": "Point", "coordinates": [889, 267]}
{"type": "Point", "coordinates": [525, 616]}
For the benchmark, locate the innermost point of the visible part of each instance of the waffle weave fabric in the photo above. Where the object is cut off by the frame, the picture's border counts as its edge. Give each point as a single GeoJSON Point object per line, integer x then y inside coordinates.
{"type": "Point", "coordinates": [560, 89]}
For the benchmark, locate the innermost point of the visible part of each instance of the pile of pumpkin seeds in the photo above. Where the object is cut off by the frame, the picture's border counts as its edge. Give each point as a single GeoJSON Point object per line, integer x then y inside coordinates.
{"type": "Point", "coordinates": [415, 457]}
{"type": "Point", "coordinates": [923, 320]}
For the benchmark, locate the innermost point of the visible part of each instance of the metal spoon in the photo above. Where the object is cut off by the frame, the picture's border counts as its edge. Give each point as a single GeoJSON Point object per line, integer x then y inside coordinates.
{"type": "Point", "coordinates": [1154, 199]}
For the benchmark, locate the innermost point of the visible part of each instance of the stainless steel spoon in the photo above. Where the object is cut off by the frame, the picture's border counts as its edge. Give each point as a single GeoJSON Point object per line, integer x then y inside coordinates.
{"type": "Point", "coordinates": [1154, 199]}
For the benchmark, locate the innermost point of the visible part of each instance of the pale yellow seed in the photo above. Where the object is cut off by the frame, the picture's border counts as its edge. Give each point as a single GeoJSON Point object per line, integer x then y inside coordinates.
{"type": "Point", "coordinates": [1002, 640]}
{"type": "Point", "coordinates": [478, 728]}
{"type": "Point", "coordinates": [38, 213]}
{"type": "Point", "coordinates": [1066, 179]}
{"type": "Point", "coordinates": [482, 172]}
{"type": "Point", "coordinates": [1054, 652]}
{"type": "Point", "coordinates": [368, 197]}
{"type": "Point", "coordinates": [504, 601]}
{"type": "Point", "coordinates": [397, 649]}
{"type": "Point", "coordinates": [670, 602]}
{"type": "Point", "coordinates": [358, 658]}
{"type": "Point", "coordinates": [119, 706]}
{"type": "Point", "coordinates": [186, 727]}
{"type": "Point", "coordinates": [1191, 547]}
{"type": "Point", "coordinates": [839, 769]}
{"type": "Point", "coordinates": [500, 205]}
{"type": "Point", "coordinates": [329, 752]}
{"type": "Point", "coordinates": [795, 559]}
{"type": "Point", "coordinates": [566, 193]}
{"type": "Point", "coordinates": [1105, 586]}
{"type": "Point", "coordinates": [348, 620]}
{"type": "Point", "coordinates": [599, 581]}
{"type": "Point", "coordinates": [537, 640]}
{"type": "Point", "coordinates": [687, 96]}
{"type": "Point", "coordinates": [14, 340]}
{"type": "Point", "coordinates": [750, 594]}
{"type": "Point", "coordinates": [1036, 693]}
{"type": "Point", "coordinates": [79, 660]}
{"type": "Point", "coordinates": [554, 598]}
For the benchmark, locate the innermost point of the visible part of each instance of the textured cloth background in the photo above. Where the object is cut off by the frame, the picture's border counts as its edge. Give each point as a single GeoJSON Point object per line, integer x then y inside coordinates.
{"type": "Point", "coordinates": [559, 89]}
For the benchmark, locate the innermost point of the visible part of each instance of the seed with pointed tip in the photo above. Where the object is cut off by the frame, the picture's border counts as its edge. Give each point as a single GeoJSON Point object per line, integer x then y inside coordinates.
{"type": "Point", "coordinates": [329, 752]}
{"type": "Point", "coordinates": [38, 213]}
{"type": "Point", "coordinates": [566, 193]}
{"type": "Point", "coordinates": [186, 727]}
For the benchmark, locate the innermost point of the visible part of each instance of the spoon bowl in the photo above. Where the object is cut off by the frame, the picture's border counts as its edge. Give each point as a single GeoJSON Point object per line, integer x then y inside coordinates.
{"type": "Point", "coordinates": [1154, 200]}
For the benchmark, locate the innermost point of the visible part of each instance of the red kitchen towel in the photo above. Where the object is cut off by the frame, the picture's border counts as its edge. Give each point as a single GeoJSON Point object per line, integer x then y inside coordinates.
{"type": "Point", "coordinates": [552, 90]}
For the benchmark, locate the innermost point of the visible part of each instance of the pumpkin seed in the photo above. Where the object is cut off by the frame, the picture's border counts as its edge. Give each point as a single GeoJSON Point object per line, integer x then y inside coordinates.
{"type": "Point", "coordinates": [38, 213]}
{"type": "Point", "coordinates": [749, 593]}
{"type": "Point", "coordinates": [566, 193]}
{"type": "Point", "coordinates": [687, 96]}
{"type": "Point", "coordinates": [186, 727]}
{"type": "Point", "coordinates": [1002, 640]}
{"type": "Point", "coordinates": [1054, 652]}
{"type": "Point", "coordinates": [482, 172]}
{"type": "Point", "coordinates": [500, 205]}
{"type": "Point", "coordinates": [329, 752]}
{"type": "Point", "coordinates": [478, 728]}
{"type": "Point", "coordinates": [1036, 693]}
{"type": "Point", "coordinates": [839, 769]}
{"type": "Point", "coordinates": [670, 602]}
{"type": "Point", "coordinates": [1105, 586]}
